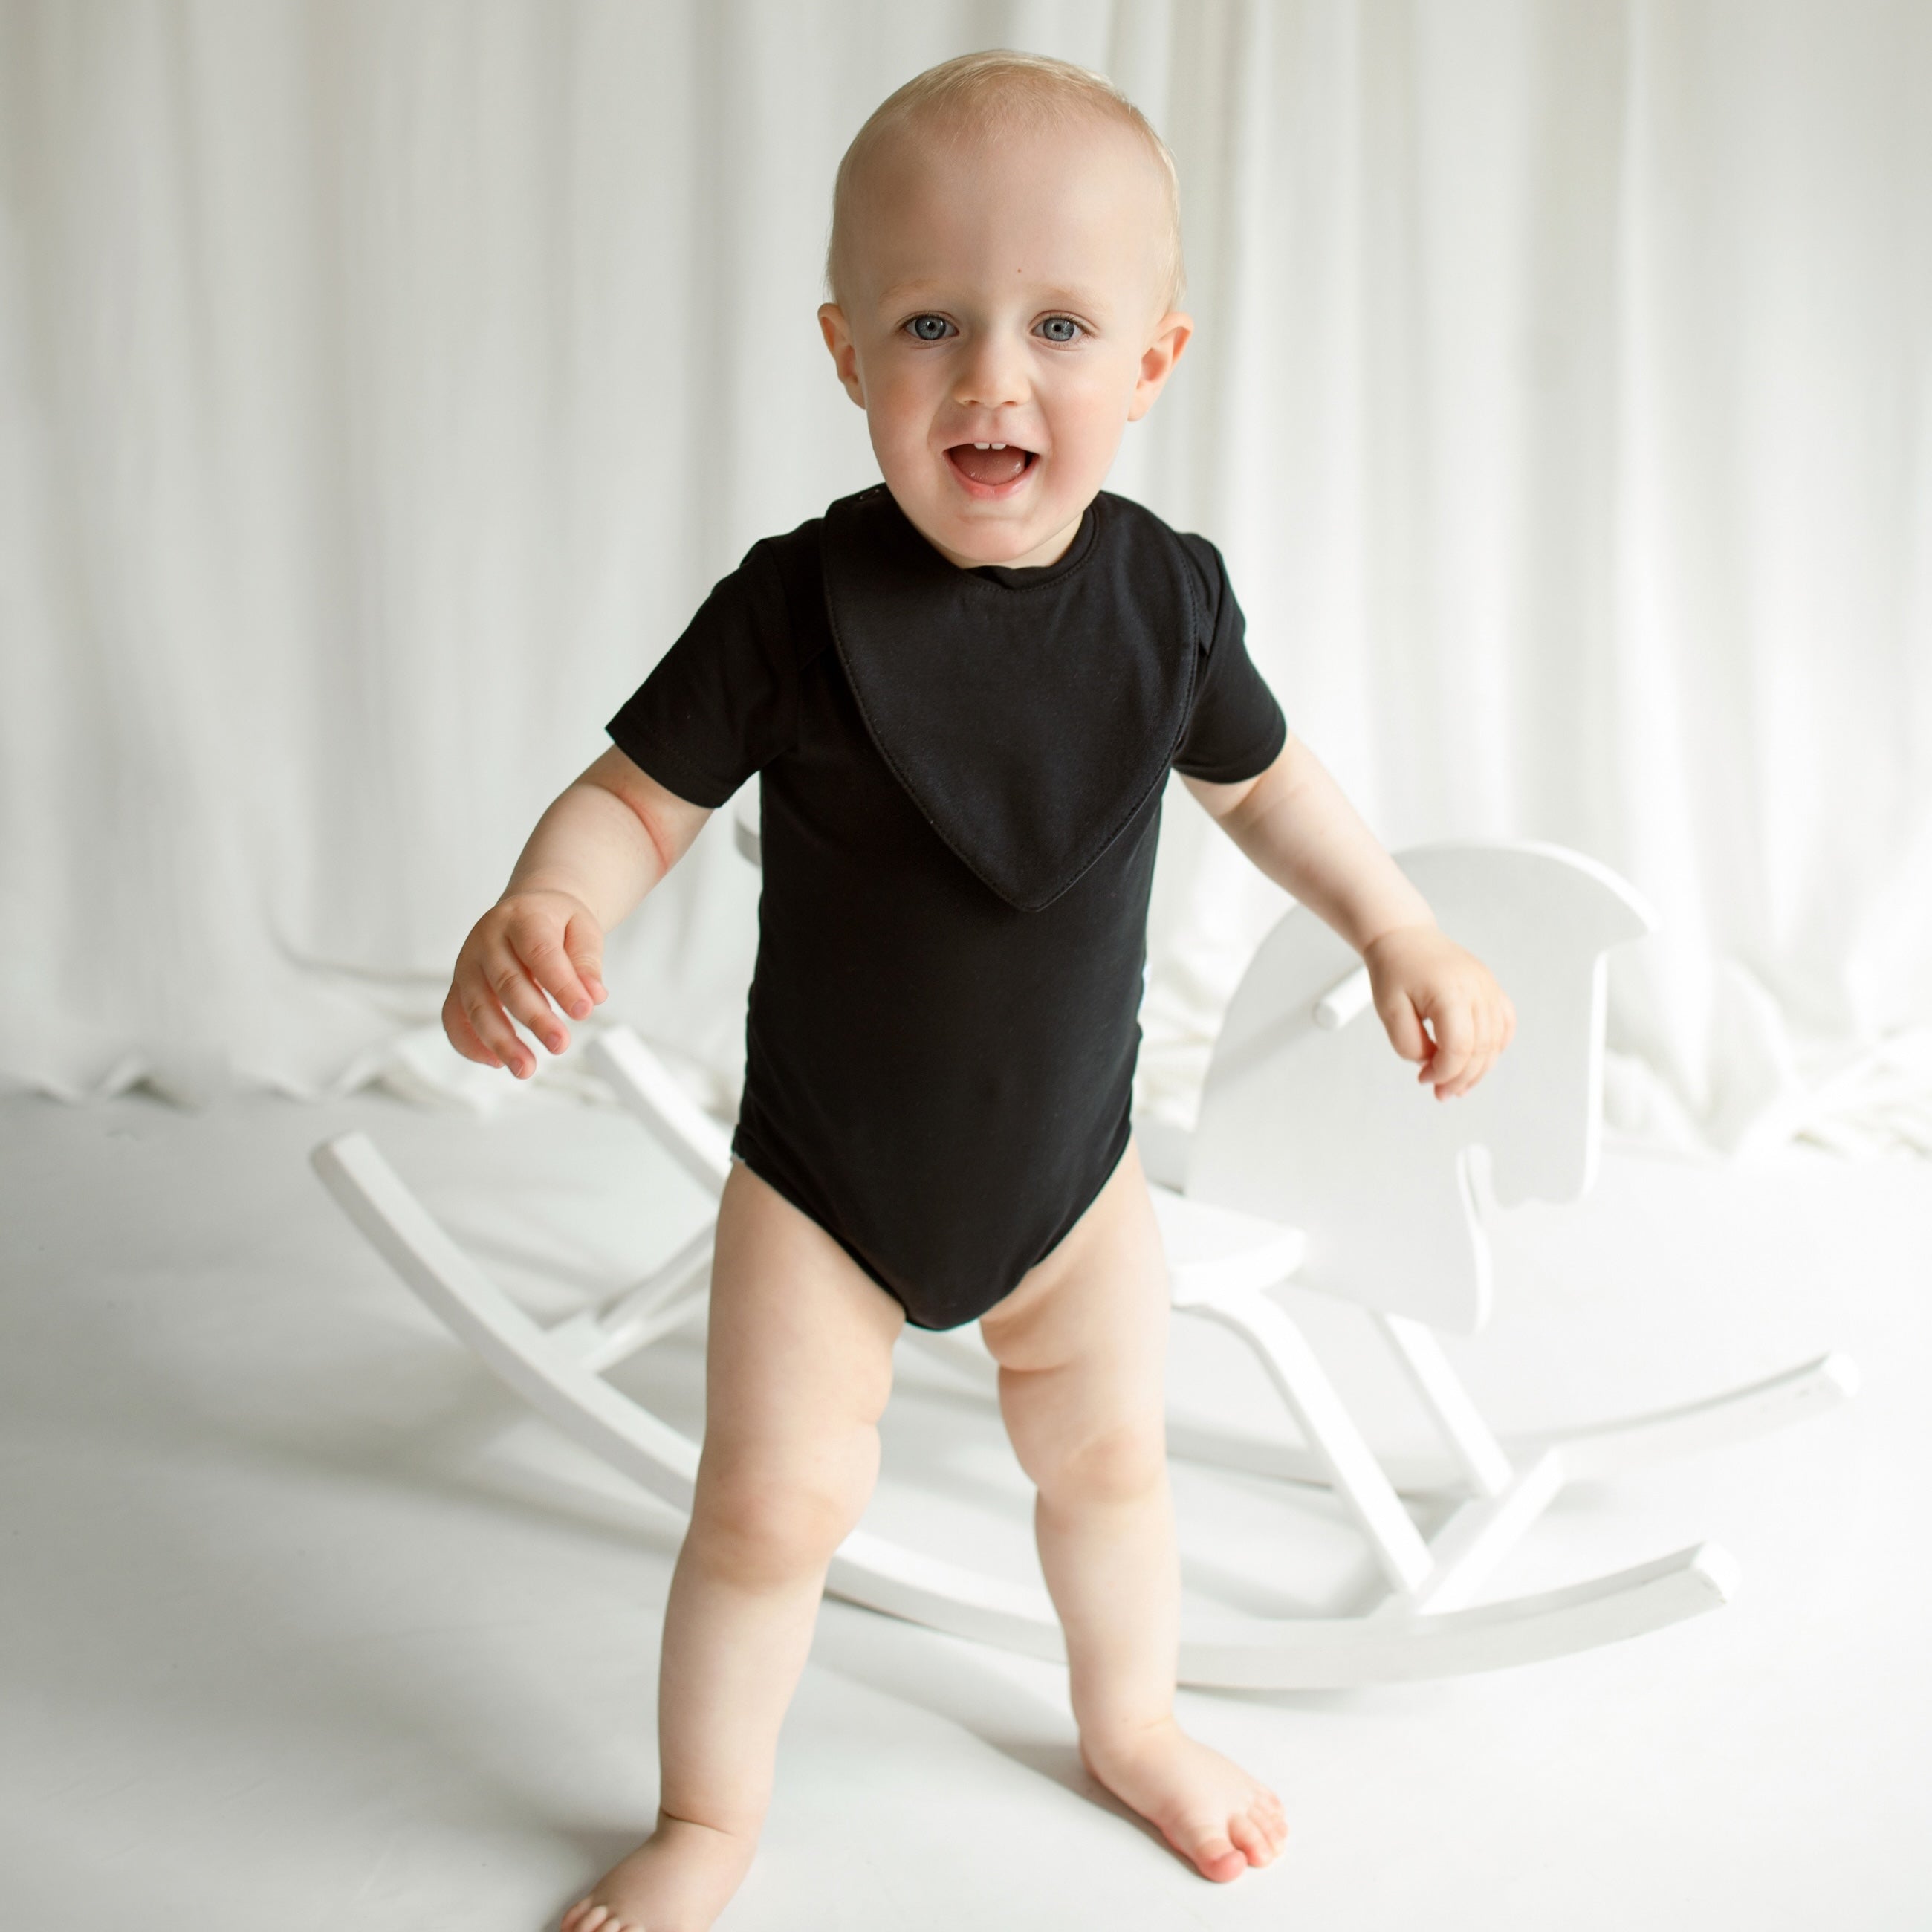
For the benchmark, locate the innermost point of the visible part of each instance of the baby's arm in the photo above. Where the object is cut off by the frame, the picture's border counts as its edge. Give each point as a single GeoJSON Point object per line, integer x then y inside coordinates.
{"type": "Point", "coordinates": [1296, 826]}
{"type": "Point", "coordinates": [605, 843]}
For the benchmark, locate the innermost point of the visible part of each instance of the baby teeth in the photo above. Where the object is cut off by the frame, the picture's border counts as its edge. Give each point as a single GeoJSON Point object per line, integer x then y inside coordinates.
{"type": "Point", "coordinates": [989, 446]}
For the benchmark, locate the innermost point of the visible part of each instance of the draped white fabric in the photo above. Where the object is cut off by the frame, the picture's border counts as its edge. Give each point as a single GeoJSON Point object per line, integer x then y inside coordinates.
{"type": "Point", "coordinates": [382, 384]}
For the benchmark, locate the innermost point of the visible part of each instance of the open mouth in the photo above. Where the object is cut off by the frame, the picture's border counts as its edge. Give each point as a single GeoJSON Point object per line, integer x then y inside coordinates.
{"type": "Point", "coordinates": [991, 466]}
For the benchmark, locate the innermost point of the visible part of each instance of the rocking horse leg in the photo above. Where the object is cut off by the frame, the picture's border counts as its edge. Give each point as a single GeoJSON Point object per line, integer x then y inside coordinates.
{"type": "Point", "coordinates": [1329, 1430]}
{"type": "Point", "coordinates": [581, 1403]}
{"type": "Point", "coordinates": [1447, 1402]}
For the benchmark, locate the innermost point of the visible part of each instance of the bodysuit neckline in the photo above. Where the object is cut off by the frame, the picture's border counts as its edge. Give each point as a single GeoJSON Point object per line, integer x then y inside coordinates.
{"type": "Point", "coordinates": [1030, 721]}
{"type": "Point", "coordinates": [1026, 576]}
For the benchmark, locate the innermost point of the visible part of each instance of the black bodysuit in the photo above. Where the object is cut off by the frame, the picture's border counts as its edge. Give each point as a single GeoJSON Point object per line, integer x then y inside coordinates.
{"type": "Point", "coordinates": [962, 778]}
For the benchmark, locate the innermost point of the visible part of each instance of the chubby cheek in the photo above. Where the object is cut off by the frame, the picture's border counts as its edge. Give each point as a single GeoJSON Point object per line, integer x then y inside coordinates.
{"type": "Point", "coordinates": [902, 394]}
{"type": "Point", "coordinates": [1085, 418]}
{"type": "Point", "coordinates": [1088, 435]}
{"type": "Point", "coordinates": [899, 417]}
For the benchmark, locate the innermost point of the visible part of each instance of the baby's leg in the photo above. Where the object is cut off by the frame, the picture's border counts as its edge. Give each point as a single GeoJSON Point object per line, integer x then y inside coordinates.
{"type": "Point", "coordinates": [798, 1366]}
{"type": "Point", "coordinates": [1081, 1346]}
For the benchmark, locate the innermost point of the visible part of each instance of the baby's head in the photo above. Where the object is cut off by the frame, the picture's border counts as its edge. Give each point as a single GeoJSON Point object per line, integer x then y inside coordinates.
{"type": "Point", "coordinates": [1005, 268]}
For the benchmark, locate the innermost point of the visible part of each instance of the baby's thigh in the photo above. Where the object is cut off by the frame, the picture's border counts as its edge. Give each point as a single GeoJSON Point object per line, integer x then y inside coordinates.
{"type": "Point", "coordinates": [1082, 1342]}
{"type": "Point", "coordinates": [799, 1350]}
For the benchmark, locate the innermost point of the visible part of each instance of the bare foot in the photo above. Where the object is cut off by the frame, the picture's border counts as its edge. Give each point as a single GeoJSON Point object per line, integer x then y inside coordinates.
{"type": "Point", "coordinates": [1208, 1809]}
{"type": "Point", "coordinates": [678, 1880]}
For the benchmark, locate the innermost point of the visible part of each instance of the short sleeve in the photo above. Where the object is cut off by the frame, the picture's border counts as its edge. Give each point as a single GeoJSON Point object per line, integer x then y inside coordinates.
{"type": "Point", "coordinates": [1235, 729]}
{"type": "Point", "coordinates": [722, 702]}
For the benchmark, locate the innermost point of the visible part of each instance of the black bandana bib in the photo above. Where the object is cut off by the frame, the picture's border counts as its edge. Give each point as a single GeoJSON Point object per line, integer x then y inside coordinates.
{"type": "Point", "coordinates": [1029, 717]}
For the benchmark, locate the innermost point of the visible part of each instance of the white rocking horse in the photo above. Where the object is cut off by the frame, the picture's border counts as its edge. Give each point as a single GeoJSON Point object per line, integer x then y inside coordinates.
{"type": "Point", "coordinates": [1317, 1157]}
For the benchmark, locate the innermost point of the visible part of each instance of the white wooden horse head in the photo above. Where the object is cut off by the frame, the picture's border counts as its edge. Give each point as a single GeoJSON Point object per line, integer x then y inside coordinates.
{"type": "Point", "coordinates": [1319, 1124]}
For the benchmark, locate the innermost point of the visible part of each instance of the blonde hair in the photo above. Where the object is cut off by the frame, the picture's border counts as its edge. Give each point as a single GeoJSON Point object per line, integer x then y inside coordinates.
{"type": "Point", "coordinates": [998, 89]}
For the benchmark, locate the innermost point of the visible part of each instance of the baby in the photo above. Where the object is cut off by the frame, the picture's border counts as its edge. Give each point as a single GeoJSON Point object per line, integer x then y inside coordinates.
{"type": "Point", "coordinates": [965, 688]}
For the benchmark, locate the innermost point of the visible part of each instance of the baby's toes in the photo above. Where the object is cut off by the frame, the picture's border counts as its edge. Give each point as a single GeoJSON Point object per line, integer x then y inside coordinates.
{"type": "Point", "coordinates": [1262, 1829]}
{"type": "Point", "coordinates": [1250, 1839]}
{"type": "Point", "coordinates": [1216, 1857]}
{"type": "Point", "coordinates": [1272, 1820]}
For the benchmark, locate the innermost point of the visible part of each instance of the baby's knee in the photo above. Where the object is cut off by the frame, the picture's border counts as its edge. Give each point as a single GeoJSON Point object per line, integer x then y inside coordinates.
{"type": "Point", "coordinates": [1122, 1464]}
{"type": "Point", "coordinates": [762, 1521]}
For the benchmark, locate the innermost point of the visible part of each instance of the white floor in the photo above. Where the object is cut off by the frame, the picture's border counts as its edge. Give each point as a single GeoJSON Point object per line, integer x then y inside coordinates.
{"type": "Point", "coordinates": [303, 1624]}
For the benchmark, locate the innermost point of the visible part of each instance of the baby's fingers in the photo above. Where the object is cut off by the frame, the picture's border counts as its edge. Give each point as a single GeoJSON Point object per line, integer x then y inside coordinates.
{"type": "Point", "coordinates": [1456, 1047]}
{"type": "Point", "coordinates": [1403, 1025]}
{"type": "Point", "coordinates": [523, 999]}
{"type": "Point", "coordinates": [1493, 1024]}
{"type": "Point", "coordinates": [541, 951]}
{"type": "Point", "coordinates": [1497, 1022]}
{"type": "Point", "coordinates": [462, 1036]}
{"type": "Point", "coordinates": [584, 940]}
{"type": "Point", "coordinates": [471, 1011]}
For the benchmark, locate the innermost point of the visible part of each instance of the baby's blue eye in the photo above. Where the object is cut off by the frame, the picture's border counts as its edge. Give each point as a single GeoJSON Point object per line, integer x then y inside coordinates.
{"type": "Point", "coordinates": [1060, 329]}
{"type": "Point", "coordinates": [930, 328]}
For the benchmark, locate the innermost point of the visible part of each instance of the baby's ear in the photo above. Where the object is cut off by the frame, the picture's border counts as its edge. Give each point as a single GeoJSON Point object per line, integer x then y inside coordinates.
{"type": "Point", "coordinates": [838, 334]}
{"type": "Point", "coordinates": [1171, 335]}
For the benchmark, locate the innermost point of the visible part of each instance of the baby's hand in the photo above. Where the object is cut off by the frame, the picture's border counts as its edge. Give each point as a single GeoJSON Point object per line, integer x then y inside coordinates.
{"type": "Point", "coordinates": [527, 945]}
{"type": "Point", "coordinates": [1418, 974]}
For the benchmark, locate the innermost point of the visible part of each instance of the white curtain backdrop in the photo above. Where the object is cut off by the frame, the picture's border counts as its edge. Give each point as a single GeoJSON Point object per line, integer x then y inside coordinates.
{"type": "Point", "coordinates": [382, 385]}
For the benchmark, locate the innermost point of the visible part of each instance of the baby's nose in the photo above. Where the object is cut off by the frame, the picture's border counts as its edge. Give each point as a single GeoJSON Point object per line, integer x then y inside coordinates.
{"type": "Point", "coordinates": [992, 373]}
